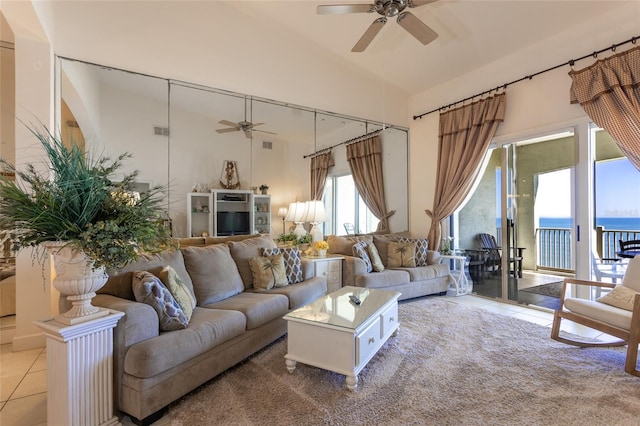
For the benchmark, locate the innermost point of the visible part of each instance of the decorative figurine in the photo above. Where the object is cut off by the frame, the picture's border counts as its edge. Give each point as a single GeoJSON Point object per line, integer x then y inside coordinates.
{"type": "Point", "coordinates": [230, 174]}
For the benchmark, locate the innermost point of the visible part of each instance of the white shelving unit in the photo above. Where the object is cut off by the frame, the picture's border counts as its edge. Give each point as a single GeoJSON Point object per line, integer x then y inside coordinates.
{"type": "Point", "coordinates": [199, 214]}
{"type": "Point", "coordinates": [262, 214]}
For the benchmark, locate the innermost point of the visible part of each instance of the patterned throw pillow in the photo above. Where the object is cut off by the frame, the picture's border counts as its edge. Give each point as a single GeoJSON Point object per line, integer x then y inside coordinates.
{"type": "Point", "coordinates": [292, 262]}
{"type": "Point", "coordinates": [360, 250]}
{"type": "Point", "coordinates": [401, 255]}
{"type": "Point", "coordinates": [621, 297]}
{"type": "Point", "coordinates": [178, 290]}
{"type": "Point", "coordinates": [268, 272]}
{"type": "Point", "coordinates": [147, 288]}
{"type": "Point", "coordinates": [421, 249]}
{"type": "Point", "coordinates": [376, 262]}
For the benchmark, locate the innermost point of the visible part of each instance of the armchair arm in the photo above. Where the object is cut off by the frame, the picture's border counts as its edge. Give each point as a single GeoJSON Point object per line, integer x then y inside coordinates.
{"type": "Point", "coordinates": [580, 282]}
{"type": "Point", "coordinates": [352, 267]}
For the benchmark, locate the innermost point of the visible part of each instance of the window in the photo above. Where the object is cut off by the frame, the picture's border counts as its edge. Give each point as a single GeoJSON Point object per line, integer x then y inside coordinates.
{"type": "Point", "coordinates": [344, 205]}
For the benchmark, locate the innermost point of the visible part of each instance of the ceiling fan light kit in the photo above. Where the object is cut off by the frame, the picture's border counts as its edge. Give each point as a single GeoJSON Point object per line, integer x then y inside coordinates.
{"type": "Point", "coordinates": [388, 9]}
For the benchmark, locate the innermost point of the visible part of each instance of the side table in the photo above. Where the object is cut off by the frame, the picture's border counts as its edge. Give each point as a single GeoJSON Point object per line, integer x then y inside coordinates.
{"type": "Point", "coordinates": [459, 282]}
{"type": "Point", "coordinates": [329, 266]}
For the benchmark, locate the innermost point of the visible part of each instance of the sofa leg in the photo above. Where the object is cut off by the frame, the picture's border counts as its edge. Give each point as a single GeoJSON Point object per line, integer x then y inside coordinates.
{"type": "Point", "coordinates": [150, 419]}
{"type": "Point", "coordinates": [442, 293]}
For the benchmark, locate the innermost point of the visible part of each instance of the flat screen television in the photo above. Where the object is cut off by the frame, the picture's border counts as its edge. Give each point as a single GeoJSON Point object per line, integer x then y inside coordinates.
{"type": "Point", "coordinates": [233, 223]}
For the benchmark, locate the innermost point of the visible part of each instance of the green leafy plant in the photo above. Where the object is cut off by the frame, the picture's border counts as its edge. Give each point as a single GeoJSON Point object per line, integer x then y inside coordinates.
{"type": "Point", "coordinates": [293, 239]}
{"type": "Point", "coordinates": [75, 200]}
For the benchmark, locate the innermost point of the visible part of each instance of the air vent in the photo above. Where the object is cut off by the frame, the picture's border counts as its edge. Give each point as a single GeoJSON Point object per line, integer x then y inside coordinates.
{"type": "Point", "coordinates": [160, 131]}
{"type": "Point", "coordinates": [267, 145]}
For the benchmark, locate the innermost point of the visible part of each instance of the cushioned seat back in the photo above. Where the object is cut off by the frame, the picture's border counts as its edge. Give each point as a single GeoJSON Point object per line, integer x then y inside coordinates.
{"type": "Point", "coordinates": [632, 275]}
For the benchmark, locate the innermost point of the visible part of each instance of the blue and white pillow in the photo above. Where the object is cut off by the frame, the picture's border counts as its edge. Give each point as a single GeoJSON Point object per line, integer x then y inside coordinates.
{"type": "Point", "coordinates": [147, 288]}
{"type": "Point", "coordinates": [292, 262]}
{"type": "Point", "coordinates": [421, 249]}
{"type": "Point", "coordinates": [360, 250]}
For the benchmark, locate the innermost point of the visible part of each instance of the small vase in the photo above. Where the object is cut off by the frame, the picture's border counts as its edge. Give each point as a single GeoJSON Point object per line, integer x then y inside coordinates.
{"type": "Point", "coordinates": [322, 253]}
{"type": "Point", "coordinates": [76, 278]}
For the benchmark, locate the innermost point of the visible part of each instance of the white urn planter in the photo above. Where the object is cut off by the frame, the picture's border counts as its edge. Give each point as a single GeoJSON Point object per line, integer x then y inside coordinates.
{"type": "Point", "coordinates": [76, 278]}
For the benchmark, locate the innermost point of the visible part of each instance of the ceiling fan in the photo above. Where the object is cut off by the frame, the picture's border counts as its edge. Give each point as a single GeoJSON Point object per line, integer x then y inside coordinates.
{"type": "Point", "coordinates": [388, 9]}
{"type": "Point", "coordinates": [242, 126]}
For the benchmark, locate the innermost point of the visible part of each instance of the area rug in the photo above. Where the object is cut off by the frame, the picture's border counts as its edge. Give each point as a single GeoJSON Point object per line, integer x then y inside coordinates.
{"type": "Point", "coordinates": [551, 289]}
{"type": "Point", "coordinates": [450, 364]}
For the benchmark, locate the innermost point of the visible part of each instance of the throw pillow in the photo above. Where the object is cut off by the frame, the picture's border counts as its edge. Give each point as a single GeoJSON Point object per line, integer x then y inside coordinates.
{"type": "Point", "coordinates": [292, 262]}
{"type": "Point", "coordinates": [344, 245]}
{"type": "Point", "coordinates": [421, 249]}
{"type": "Point", "coordinates": [178, 290]}
{"type": "Point", "coordinates": [382, 240]}
{"type": "Point", "coordinates": [360, 250]}
{"type": "Point", "coordinates": [376, 262]}
{"type": "Point", "coordinates": [401, 254]}
{"type": "Point", "coordinates": [621, 297]}
{"type": "Point", "coordinates": [241, 251]}
{"type": "Point", "coordinates": [268, 272]}
{"type": "Point", "coordinates": [147, 288]}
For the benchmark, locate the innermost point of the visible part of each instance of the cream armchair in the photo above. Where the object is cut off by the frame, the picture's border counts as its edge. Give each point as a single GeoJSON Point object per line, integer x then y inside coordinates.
{"type": "Point", "coordinates": [617, 313]}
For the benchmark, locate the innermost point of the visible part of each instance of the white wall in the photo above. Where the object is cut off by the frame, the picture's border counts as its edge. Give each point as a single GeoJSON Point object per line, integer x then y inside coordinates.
{"type": "Point", "coordinates": [533, 106]}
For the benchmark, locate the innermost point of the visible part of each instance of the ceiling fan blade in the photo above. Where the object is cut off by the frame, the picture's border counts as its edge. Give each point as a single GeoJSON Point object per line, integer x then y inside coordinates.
{"type": "Point", "coordinates": [416, 3]}
{"type": "Point", "coordinates": [228, 123]}
{"type": "Point", "coordinates": [264, 131]}
{"type": "Point", "coordinates": [334, 9]}
{"type": "Point", "coordinates": [369, 35]}
{"type": "Point", "coordinates": [256, 124]}
{"type": "Point", "coordinates": [248, 134]}
{"type": "Point", "coordinates": [231, 129]}
{"type": "Point", "coordinates": [417, 28]}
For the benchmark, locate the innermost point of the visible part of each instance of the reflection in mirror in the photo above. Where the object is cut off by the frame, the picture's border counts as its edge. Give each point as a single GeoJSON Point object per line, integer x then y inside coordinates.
{"type": "Point", "coordinates": [117, 111]}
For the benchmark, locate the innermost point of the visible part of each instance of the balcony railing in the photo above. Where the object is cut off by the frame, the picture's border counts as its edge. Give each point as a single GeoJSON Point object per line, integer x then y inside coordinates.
{"type": "Point", "coordinates": [554, 251]}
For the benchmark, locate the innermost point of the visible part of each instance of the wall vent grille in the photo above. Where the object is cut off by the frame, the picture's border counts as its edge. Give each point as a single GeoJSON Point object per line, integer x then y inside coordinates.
{"type": "Point", "coordinates": [267, 145]}
{"type": "Point", "coordinates": [160, 131]}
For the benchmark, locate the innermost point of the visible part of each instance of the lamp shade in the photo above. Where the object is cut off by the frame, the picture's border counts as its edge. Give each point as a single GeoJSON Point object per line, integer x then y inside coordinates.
{"type": "Point", "coordinates": [316, 212]}
{"type": "Point", "coordinates": [297, 212]}
{"type": "Point", "coordinates": [282, 212]}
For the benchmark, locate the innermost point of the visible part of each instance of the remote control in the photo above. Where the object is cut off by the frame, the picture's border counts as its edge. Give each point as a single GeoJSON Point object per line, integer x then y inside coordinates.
{"type": "Point", "coordinates": [354, 299]}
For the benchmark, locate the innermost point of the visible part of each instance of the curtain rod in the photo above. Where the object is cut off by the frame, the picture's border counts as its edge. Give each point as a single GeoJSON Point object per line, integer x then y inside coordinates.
{"type": "Point", "coordinates": [571, 62]}
{"type": "Point", "coordinates": [357, 139]}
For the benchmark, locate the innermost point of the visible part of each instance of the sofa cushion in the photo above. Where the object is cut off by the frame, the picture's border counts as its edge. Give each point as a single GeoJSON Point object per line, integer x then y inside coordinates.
{"type": "Point", "coordinates": [148, 289]}
{"type": "Point", "coordinates": [401, 254]}
{"type": "Point", "coordinates": [421, 273]}
{"type": "Point", "coordinates": [376, 262]}
{"type": "Point", "coordinates": [344, 245]}
{"type": "Point", "coordinates": [600, 311]}
{"type": "Point", "coordinates": [292, 262]}
{"type": "Point", "coordinates": [360, 250]}
{"type": "Point", "coordinates": [386, 278]}
{"type": "Point", "coordinates": [214, 273]}
{"type": "Point", "coordinates": [381, 242]}
{"type": "Point", "coordinates": [208, 328]}
{"type": "Point", "coordinates": [303, 293]}
{"type": "Point", "coordinates": [178, 290]}
{"type": "Point", "coordinates": [119, 282]}
{"type": "Point", "coordinates": [421, 249]}
{"type": "Point", "coordinates": [258, 308]}
{"type": "Point", "coordinates": [242, 251]}
{"type": "Point", "coordinates": [621, 297]}
{"type": "Point", "coordinates": [268, 272]}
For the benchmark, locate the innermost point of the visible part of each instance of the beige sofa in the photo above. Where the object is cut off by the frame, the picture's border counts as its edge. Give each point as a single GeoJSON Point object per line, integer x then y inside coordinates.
{"type": "Point", "coordinates": [432, 278]}
{"type": "Point", "coordinates": [154, 368]}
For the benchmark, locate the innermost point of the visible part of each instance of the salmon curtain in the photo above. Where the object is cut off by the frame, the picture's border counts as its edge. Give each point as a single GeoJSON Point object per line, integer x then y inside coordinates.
{"type": "Point", "coordinates": [609, 92]}
{"type": "Point", "coordinates": [463, 140]}
{"type": "Point", "coordinates": [365, 161]}
{"type": "Point", "coordinates": [320, 165]}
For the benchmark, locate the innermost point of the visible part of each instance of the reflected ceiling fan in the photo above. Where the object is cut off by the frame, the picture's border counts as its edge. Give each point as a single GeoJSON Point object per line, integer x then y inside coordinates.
{"type": "Point", "coordinates": [388, 9]}
{"type": "Point", "coordinates": [242, 126]}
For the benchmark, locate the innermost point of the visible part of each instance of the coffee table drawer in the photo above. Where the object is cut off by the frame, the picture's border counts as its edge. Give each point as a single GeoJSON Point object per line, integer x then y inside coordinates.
{"type": "Point", "coordinates": [368, 342]}
{"type": "Point", "coordinates": [389, 321]}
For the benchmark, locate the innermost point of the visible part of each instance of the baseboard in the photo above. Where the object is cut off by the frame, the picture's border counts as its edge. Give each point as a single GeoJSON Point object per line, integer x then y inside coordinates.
{"type": "Point", "coordinates": [7, 334]}
{"type": "Point", "coordinates": [30, 341]}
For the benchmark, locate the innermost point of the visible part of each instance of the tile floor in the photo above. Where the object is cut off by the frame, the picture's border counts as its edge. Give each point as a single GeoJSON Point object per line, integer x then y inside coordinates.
{"type": "Point", "coordinates": [23, 389]}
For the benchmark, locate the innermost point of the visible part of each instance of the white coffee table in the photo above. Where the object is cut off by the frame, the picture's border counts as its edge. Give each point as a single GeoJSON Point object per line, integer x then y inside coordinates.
{"type": "Point", "coordinates": [337, 335]}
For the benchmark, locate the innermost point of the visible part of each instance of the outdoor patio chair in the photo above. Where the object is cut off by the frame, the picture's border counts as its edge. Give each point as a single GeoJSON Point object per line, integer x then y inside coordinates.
{"type": "Point", "coordinates": [349, 228]}
{"type": "Point", "coordinates": [494, 255]}
{"type": "Point", "coordinates": [629, 249]}
{"type": "Point", "coordinates": [617, 313]}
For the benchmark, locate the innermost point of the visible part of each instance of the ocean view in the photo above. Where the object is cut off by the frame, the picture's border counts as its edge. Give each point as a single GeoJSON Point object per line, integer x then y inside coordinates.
{"type": "Point", "coordinates": [609, 223]}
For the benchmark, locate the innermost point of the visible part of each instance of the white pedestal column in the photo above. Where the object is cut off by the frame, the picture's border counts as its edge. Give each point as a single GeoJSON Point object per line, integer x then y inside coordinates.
{"type": "Point", "coordinates": [80, 371]}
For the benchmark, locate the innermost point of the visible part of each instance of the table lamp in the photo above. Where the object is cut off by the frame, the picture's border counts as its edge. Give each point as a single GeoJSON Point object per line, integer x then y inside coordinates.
{"type": "Point", "coordinates": [282, 212]}
{"type": "Point", "coordinates": [297, 213]}
{"type": "Point", "coordinates": [316, 213]}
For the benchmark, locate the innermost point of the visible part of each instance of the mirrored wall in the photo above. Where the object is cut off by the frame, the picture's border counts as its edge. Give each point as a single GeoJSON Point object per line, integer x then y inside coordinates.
{"type": "Point", "coordinates": [181, 134]}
